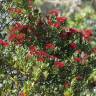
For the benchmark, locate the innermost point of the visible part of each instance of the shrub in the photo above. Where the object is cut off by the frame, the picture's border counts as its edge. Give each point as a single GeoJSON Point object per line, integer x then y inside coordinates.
{"type": "Point", "coordinates": [46, 56]}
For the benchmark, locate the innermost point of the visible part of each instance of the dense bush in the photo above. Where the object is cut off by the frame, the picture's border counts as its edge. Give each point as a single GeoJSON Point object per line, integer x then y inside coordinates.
{"type": "Point", "coordinates": [46, 55]}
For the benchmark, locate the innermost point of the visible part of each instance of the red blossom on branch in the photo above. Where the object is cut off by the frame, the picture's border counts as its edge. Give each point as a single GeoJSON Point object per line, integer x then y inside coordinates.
{"type": "Point", "coordinates": [87, 34]}
{"type": "Point", "coordinates": [61, 19]}
{"type": "Point", "coordinates": [16, 27]}
{"type": "Point", "coordinates": [56, 25]}
{"type": "Point", "coordinates": [33, 49]}
{"type": "Point", "coordinates": [78, 60]}
{"type": "Point", "coordinates": [73, 46]}
{"type": "Point", "coordinates": [73, 30]}
{"type": "Point", "coordinates": [3, 43]}
{"type": "Point", "coordinates": [59, 64]}
{"type": "Point", "coordinates": [12, 37]}
{"type": "Point", "coordinates": [20, 37]}
{"type": "Point", "coordinates": [41, 53]}
{"type": "Point", "coordinates": [49, 46]}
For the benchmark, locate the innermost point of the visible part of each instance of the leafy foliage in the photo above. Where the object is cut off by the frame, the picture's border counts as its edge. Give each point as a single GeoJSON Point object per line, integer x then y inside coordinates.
{"type": "Point", "coordinates": [46, 55]}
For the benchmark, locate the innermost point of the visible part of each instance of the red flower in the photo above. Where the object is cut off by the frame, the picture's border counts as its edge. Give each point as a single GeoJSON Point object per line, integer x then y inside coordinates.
{"type": "Point", "coordinates": [20, 36]}
{"type": "Point", "coordinates": [54, 12]}
{"type": "Point", "coordinates": [12, 37]}
{"type": "Point", "coordinates": [3, 43]}
{"type": "Point", "coordinates": [40, 59]}
{"type": "Point", "coordinates": [61, 19]}
{"type": "Point", "coordinates": [59, 64]}
{"type": "Point", "coordinates": [16, 27]}
{"type": "Point", "coordinates": [49, 46]}
{"type": "Point", "coordinates": [73, 45]}
{"type": "Point", "coordinates": [20, 39]}
{"type": "Point", "coordinates": [33, 49]}
{"type": "Point", "coordinates": [73, 30]}
{"type": "Point", "coordinates": [78, 60]}
{"type": "Point", "coordinates": [41, 53]}
{"type": "Point", "coordinates": [87, 33]}
{"type": "Point", "coordinates": [56, 25]}
{"type": "Point", "coordinates": [50, 22]}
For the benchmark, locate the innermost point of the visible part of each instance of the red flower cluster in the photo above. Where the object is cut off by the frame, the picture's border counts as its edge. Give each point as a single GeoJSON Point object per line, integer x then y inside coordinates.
{"type": "Point", "coordinates": [41, 53]}
{"type": "Point", "coordinates": [73, 46]}
{"type": "Point", "coordinates": [3, 43]}
{"type": "Point", "coordinates": [78, 60]}
{"type": "Point", "coordinates": [49, 46]}
{"type": "Point", "coordinates": [17, 27]}
{"type": "Point", "coordinates": [18, 38]}
{"type": "Point", "coordinates": [33, 49]}
{"type": "Point", "coordinates": [73, 30]}
{"type": "Point", "coordinates": [87, 34]}
{"type": "Point", "coordinates": [12, 37]}
{"type": "Point", "coordinates": [56, 25]}
{"type": "Point", "coordinates": [61, 19]}
{"type": "Point", "coordinates": [59, 64]}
